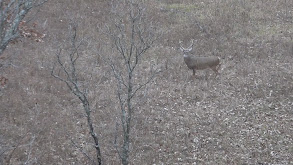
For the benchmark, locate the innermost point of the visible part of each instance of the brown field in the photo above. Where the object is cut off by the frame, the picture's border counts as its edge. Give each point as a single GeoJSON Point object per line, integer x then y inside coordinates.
{"type": "Point", "coordinates": [243, 116]}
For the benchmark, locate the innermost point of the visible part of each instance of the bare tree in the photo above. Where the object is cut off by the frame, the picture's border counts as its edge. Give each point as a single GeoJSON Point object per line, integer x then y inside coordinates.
{"type": "Point", "coordinates": [12, 13]}
{"type": "Point", "coordinates": [132, 35]}
{"type": "Point", "coordinates": [68, 74]}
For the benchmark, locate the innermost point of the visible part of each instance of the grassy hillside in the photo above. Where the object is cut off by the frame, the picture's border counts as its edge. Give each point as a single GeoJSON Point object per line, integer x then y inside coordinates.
{"type": "Point", "coordinates": [243, 116]}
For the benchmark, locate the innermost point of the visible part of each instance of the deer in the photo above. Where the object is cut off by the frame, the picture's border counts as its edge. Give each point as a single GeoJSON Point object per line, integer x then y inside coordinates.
{"type": "Point", "coordinates": [199, 62]}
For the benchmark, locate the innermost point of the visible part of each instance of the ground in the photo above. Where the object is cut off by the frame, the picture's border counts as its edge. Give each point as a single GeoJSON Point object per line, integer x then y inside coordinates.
{"type": "Point", "coordinates": [242, 116]}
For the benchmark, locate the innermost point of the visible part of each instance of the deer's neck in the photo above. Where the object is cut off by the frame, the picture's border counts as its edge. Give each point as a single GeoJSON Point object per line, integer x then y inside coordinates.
{"type": "Point", "coordinates": [186, 56]}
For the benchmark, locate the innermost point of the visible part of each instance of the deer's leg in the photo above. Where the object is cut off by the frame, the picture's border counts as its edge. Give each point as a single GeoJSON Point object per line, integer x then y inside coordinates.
{"type": "Point", "coordinates": [193, 70]}
{"type": "Point", "coordinates": [218, 67]}
{"type": "Point", "coordinates": [215, 69]}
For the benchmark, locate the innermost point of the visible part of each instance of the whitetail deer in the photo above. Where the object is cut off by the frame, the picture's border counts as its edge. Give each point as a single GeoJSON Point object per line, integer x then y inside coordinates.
{"type": "Point", "coordinates": [199, 62]}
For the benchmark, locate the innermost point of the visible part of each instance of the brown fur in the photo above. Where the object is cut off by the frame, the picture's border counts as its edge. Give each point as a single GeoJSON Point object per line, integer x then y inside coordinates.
{"type": "Point", "coordinates": [200, 62]}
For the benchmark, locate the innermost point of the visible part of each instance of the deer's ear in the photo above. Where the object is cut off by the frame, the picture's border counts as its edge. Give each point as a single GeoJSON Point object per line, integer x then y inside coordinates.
{"type": "Point", "coordinates": [190, 49]}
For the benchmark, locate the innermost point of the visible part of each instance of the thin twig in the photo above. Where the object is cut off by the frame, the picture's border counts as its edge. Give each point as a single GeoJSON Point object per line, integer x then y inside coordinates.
{"type": "Point", "coordinates": [83, 152]}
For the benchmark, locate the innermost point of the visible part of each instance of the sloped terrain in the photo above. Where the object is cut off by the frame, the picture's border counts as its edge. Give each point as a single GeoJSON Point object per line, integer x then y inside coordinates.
{"type": "Point", "coordinates": [243, 116]}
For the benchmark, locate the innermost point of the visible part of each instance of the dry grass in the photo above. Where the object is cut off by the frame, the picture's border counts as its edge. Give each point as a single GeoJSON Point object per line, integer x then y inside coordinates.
{"type": "Point", "coordinates": [244, 116]}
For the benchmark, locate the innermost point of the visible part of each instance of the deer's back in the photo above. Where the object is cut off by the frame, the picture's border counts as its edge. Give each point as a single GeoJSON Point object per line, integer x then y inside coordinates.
{"type": "Point", "coordinates": [201, 62]}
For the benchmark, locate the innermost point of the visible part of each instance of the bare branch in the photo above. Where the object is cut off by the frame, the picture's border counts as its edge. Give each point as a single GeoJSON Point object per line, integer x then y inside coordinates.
{"type": "Point", "coordinates": [28, 160]}
{"type": "Point", "coordinates": [145, 83]}
{"type": "Point", "coordinates": [11, 16]}
{"type": "Point", "coordinates": [118, 75]}
{"type": "Point", "coordinates": [115, 140]}
{"type": "Point", "coordinates": [83, 152]}
{"type": "Point", "coordinates": [70, 78]}
{"type": "Point", "coordinates": [132, 37]}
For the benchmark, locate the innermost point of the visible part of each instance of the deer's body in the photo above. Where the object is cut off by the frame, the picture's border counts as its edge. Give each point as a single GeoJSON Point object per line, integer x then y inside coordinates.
{"type": "Point", "coordinates": [200, 62]}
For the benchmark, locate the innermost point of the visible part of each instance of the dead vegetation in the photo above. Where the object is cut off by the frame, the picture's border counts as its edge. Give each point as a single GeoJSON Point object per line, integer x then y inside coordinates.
{"type": "Point", "coordinates": [244, 116]}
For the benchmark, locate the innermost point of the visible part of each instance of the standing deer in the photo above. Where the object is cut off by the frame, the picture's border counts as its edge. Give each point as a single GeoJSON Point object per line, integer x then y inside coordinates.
{"type": "Point", "coordinates": [199, 62]}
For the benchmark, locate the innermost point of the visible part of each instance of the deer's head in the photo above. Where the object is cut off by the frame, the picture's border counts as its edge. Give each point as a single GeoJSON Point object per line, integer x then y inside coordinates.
{"type": "Point", "coordinates": [186, 50]}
